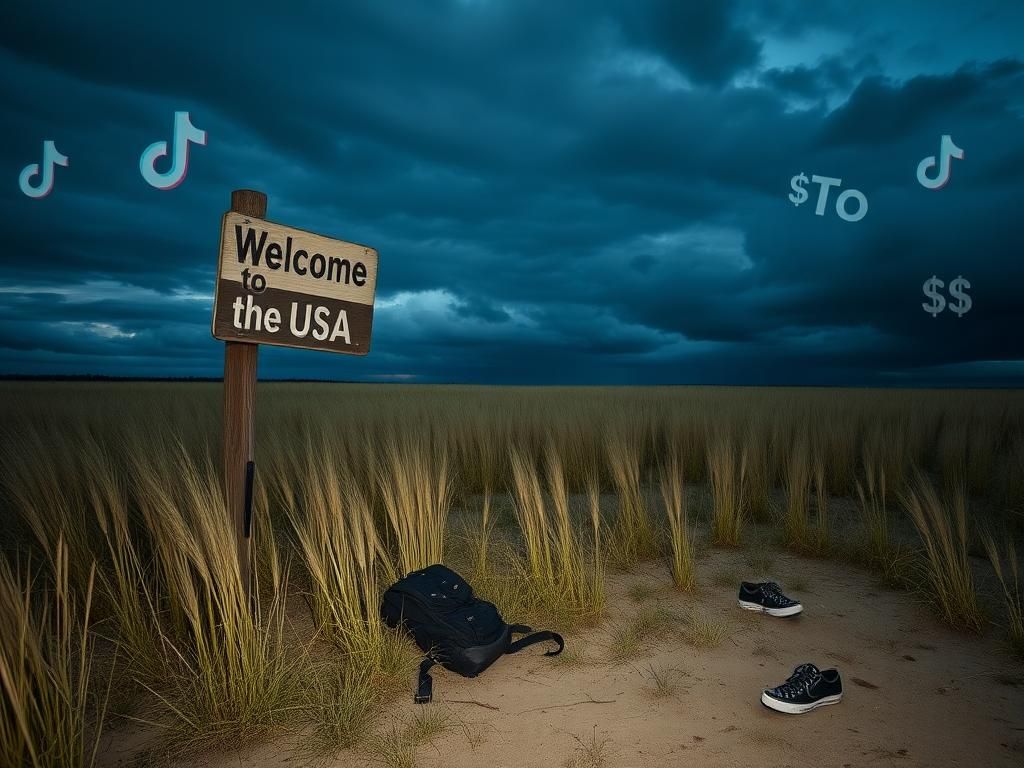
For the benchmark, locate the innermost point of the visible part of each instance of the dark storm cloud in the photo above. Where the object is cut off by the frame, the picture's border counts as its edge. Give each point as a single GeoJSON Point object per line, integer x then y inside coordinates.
{"type": "Point", "coordinates": [478, 308]}
{"type": "Point", "coordinates": [702, 40]}
{"type": "Point", "coordinates": [921, 100]}
{"type": "Point", "coordinates": [581, 192]}
{"type": "Point", "coordinates": [827, 76]}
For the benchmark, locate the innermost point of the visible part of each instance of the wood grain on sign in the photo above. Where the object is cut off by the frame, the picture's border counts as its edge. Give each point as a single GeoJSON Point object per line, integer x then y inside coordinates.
{"type": "Point", "coordinates": [289, 287]}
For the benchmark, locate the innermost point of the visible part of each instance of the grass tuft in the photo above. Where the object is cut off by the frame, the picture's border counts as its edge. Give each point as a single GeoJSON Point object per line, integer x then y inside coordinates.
{"type": "Point", "coordinates": [943, 532]}
{"type": "Point", "coordinates": [572, 657]}
{"type": "Point", "coordinates": [628, 640]}
{"type": "Point", "coordinates": [591, 753]}
{"type": "Point", "coordinates": [664, 681]}
{"type": "Point", "coordinates": [345, 561]}
{"type": "Point", "coordinates": [632, 536]}
{"type": "Point", "coordinates": [728, 473]}
{"type": "Point", "coordinates": [427, 723]}
{"type": "Point", "coordinates": [701, 630]}
{"type": "Point", "coordinates": [682, 560]}
{"type": "Point", "coordinates": [344, 703]}
{"type": "Point", "coordinates": [416, 488]}
{"type": "Point", "coordinates": [556, 568]}
{"type": "Point", "coordinates": [760, 476]}
{"type": "Point", "coordinates": [821, 539]}
{"type": "Point", "coordinates": [798, 494]}
{"type": "Point", "coordinates": [396, 746]}
{"type": "Point", "coordinates": [878, 551]}
{"type": "Point", "coordinates": [1009, 580]}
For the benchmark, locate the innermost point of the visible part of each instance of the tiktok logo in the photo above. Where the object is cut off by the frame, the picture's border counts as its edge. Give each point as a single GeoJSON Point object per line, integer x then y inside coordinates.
{"type": "Point", "coordinates": [51, 157]}
{"type": "Point", "coordinates": [184, 132]}
{"type": "Point", "coordinates": [947, 150]}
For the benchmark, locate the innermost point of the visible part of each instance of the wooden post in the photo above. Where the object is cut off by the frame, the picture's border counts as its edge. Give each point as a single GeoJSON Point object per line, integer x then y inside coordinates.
{"type": "Point", "coordinates": [239, 413]}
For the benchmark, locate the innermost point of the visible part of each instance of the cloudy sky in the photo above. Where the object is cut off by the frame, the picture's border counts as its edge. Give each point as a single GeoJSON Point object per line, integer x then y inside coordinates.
{"type": "Point", "coordinates": [574, 192]}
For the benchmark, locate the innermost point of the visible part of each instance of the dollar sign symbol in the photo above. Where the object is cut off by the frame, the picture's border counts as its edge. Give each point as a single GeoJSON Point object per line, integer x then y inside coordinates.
{"type": "Point", "coordinates": [938, 303]}
{"type": "Point", "coordinates": [957, 290]}
{"type": "Point", "coordinates": [797, 183]}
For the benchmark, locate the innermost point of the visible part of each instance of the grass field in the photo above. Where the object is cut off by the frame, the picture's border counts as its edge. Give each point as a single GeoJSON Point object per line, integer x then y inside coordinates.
{"type": "Point", "coordinates": [121, 601]}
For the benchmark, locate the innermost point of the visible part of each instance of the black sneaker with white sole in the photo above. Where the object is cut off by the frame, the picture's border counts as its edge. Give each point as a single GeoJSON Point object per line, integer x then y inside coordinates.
{"type": "Point", "coordinates": [806, 689]}
{"type": "Point", "coordinates": [767, 598]}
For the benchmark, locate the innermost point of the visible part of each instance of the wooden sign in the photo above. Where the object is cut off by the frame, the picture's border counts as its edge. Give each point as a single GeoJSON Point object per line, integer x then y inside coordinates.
{"type": "Point", "coordinates": [293, 288]}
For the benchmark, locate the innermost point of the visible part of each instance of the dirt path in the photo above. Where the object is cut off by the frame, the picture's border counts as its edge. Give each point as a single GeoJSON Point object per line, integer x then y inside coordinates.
{"type": "Point", "coordinates": [916, 693]}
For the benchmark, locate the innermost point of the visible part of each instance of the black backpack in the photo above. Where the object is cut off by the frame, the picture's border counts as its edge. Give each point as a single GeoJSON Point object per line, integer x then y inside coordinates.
{"type": "Point", "coordinates": [451, 626]}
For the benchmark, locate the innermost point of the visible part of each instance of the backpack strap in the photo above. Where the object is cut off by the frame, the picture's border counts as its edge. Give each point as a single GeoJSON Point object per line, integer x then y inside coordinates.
{"type": "Point", "coordinates": [425, 686]}
{"type": "Point", "coordinates": [536, 637]}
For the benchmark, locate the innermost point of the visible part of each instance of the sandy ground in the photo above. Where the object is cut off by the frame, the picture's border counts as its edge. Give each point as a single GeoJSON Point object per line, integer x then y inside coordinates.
{"type": "Point", "coordinates": [916, 693]}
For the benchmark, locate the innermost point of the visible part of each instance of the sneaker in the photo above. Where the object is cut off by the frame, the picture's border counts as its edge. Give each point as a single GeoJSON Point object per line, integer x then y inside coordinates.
{"type": "Point", "coordinates": [806, 689]}
{"type": "Point", "coordinates": [767, 598]}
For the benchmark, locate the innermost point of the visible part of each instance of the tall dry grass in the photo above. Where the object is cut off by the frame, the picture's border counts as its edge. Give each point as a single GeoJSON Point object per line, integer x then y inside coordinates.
{"type": "Point", "coordinates": [952, 451]}
{"type": "Point", "coordinates": [821, 538]}
{"type": "Point", "coordinates": [1010, 485]}
{"type": "Point", "coordinates": [480, 471]}
{"type": "Point", "coordinates": [632, 536]}
{"type": "Point", "coordinates": [488, 453]}
{"type": "Point", "coordinates": [416, 490]}
{"type": "Point", "coordinates": [44, 478]}
{"type": "Point", "coordinates": [128, 589]}
{"type": "Point", "coordinates": [375, 503]}
{"type": "Point", "coordinates": [532, 516]}
{"type": "Point", "coordinates": [1007, 570]}
{"type": "Point", "coordinates": [878, 549]}
{"type": "Point", "coordinates": [687, 434]}
{"type": "Point", "coordinates": [230, 673]}
{"type": "Point", "coordinates": [943, 531]}
{"type": "Point", "coordinates": [344, 558]}
{"type": "Point", "coordinates": [838, 437]}
{"type": "Point", "coordinates": [73, 489]}
{"type": "Point", "coordinates": [761, 473]}
{"type": "Point", "coordinates": [807, 526]}
{"type": "Point", "coordinates": [727, 473]}
{"type": "Point", "coordinates": [51, 713]}
{"type": "Point", "coordinates": [874, 511]}
{"type": "Point", "coordinates": [981, 456]}
{"type": "Point", "coordinates": [597, 588]}
{"type": "Point", "coordinates": [682, 560]}
{"type": "Point", "coordinates": [569, 553]}
{"type": "Point", "coordinates": [556, 567]}
{"type": "Point", "coordinates": [797, 481]}
{"type": "Point", "coordinates": [895, 442]}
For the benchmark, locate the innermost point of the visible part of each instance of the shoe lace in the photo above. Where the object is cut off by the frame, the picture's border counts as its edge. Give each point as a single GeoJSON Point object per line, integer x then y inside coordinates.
{"type": "Point", "coordinates": [801, 679]}
{"type": "Point", "coordinates": [772, 591]}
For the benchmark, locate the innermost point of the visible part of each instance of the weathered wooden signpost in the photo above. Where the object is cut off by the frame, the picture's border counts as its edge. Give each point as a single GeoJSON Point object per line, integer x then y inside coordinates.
{"type": "Point", "coordinates": [284, 286]}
